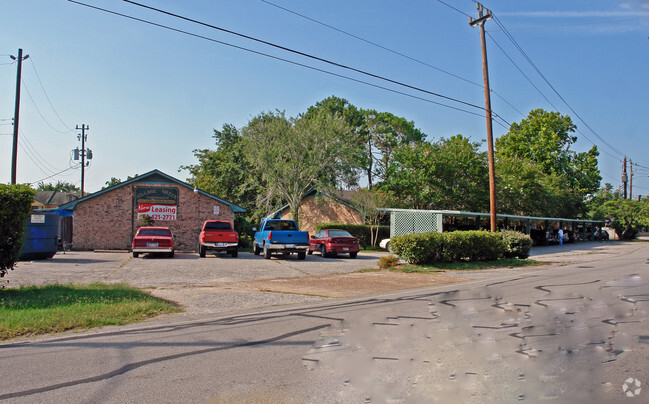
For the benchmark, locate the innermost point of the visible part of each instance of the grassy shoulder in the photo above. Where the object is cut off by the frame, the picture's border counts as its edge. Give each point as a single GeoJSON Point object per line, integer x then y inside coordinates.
{"type": "Point", "coordinates": [462, 266]}
{"type": "Point", "coordinates": [37, 310]}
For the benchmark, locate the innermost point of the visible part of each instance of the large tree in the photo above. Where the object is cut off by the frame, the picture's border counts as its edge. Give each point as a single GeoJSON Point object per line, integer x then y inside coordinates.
{"type": "Point", "coordinates": [447, 174]}
{"type": "Point", "coordinates": [385, 134]}
{"type": "Point", "coordinates": [290, 156]}
{"type": "Point", "coordinates": [225, 171]}
{"type": "Point", "coordinates": [542, 142]}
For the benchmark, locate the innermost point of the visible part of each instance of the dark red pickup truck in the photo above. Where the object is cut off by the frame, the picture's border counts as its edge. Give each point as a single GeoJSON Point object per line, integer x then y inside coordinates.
{"type": "Point", "coordinates": [218, 236]}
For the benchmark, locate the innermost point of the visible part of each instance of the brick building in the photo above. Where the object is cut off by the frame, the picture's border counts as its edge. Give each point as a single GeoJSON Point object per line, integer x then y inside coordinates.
{"type": "Point", "coordinates": [108, 219]}
{"type": "Point", "coordinates": [319, 207]}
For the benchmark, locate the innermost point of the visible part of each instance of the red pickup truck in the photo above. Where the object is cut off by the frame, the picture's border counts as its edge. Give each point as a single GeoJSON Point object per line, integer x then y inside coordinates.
{"type": "Point", "coordinates": [218, 236]}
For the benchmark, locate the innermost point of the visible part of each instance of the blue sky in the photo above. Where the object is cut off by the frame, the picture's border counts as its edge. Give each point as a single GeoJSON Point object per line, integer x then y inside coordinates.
{"type": "Point", "coordinates": [151, 96]}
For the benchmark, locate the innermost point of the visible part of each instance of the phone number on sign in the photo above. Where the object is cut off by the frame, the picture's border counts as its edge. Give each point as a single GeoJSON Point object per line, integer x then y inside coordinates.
{"type": "Point", "coordinates": [156, 216]}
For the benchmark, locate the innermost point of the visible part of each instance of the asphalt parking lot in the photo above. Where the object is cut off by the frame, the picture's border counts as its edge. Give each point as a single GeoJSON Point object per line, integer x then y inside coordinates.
{"type": "Point", "coordinates": [216, 283]}
{"type": "Point", "coordinates": [222, 284]}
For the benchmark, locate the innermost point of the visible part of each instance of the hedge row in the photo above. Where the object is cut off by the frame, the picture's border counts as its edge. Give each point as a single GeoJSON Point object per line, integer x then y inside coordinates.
{"type": "Point", "coordinates": [360, 231]}
{"type": "Point", "coordinates": [476, 245]}
{"type": "Point", "coordinates": [15, 206]}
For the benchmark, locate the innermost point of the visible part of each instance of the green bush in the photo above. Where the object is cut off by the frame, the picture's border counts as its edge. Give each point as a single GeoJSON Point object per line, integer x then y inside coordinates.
{"type": "Point", "coordinates": [516, 244]}
{"type": "Point", "coordinates": [15, 206]}
{"type": "Point", "coordinates": [418, 248]}
{"type": "Point", "coordinates": [360, 231]}
{"type": "Point", "coordinates": [470, 246]}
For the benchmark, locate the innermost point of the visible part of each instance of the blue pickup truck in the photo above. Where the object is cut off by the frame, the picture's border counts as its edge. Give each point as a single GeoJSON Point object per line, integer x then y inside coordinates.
{"type": "Point", "coordinates": [279, 236]}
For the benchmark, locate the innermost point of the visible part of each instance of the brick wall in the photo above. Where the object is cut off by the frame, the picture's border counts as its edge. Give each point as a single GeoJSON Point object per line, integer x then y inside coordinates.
{"type": "Point", "coordinates": [323, 210]}
{"type": "Point", "coordinates": [108, 221]}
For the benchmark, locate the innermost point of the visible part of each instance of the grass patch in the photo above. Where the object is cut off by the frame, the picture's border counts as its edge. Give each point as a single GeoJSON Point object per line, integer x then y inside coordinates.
{"type": "Point", "coordinates": [467, 266]}
{"type": "Point", "coordinates": [36, 310]}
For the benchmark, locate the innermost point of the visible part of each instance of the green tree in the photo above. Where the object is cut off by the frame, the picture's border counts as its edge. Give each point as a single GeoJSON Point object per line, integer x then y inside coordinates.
{"type": "Point", "coordinates": [385, 134]}
{"type": "Point", "coordinates": [112, 182]}
{"type": "Point", "coordinates": [603, 195]}
{"type": "Point", "coordinates": [15, 206]}
{"type": "Point", "coordinates": [524, 189]}
{"type": "Point", "coordinates": [368, 201]}
{"type": "Point", "coordinates": [447, 174]}
{"type": "Point", "coordinates": [60, 186]}
{"type": "Point", "coordinates": [625, 216]}
{"type": "Point", "coordinates": [289, 157]}
{"type": "Point", "coordinates": [225, 171]}
{"type": "Point", "coordinates": [357, 135]}
{"type": "Point", "coordinates": [544, 140]}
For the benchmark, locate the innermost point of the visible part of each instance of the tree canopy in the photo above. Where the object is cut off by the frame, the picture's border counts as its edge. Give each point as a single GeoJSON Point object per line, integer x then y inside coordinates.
{"type": "Point", "coordinates": [60, 186]}
{"type": "Point", "coordinates": [540, 147]}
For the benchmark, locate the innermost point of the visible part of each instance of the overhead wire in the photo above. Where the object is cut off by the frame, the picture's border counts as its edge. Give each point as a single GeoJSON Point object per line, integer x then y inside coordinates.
{"type": "Point", "coordinates": [31, 60]}
{"type": "Point", "coordinates": [304, 54]}
{"type": "Point", "coordinates": [529, 60]}
{"type": "Point", "coordinates": [24, 137]}
{"type": "Point", "coordinates": [39, 111]}
{"type": "Point", "coordinates": [394, 51]}
{"type": "Point", "coordinates": [280, 59]}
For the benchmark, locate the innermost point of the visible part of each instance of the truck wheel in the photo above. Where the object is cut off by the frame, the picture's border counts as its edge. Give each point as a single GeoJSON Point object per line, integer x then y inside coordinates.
{"type": "Point", "coordinates": [135, 255]}
{"type": "Point", "coordinates": [234, 253]}
{"type": "Point", "coordinates": [310, 252]}
{"type": "Point", "coordinates": [201, 251]}
{"type": "Point", "coordinates": [323, 251]}
{"type": "Point", "coordinates": [301, 255]}
{"type": "Point", "coordinates": [352, 254]}
{"type": "Point", "coordinates": [170, 255]}
{"type": "Point", "coordinates": [256, 250]}
{"type": "Point", "coordinates": [266, 252]}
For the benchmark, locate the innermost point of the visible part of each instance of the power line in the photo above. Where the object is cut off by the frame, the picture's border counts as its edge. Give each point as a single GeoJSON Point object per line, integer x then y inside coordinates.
{"type": "Point", "coordinates": [277, 58]}
{"type": "Point", "coordinates": [529, 60]}
{"type": "Point", "coordinates": [394, 51]}
{"type": "Point", "coordinates": [48, 98]}
{"type": "Point", "coordinates": [300, 53]}
{"type": "Point", "coordinates": [37, 153]}
{"type": "Point", "coordinates": [53, 175]}
{"type": "Point", "coordinates": [39, 111]}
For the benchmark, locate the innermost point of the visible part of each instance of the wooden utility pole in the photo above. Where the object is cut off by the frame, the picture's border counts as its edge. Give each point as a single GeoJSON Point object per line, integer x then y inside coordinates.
{"type": "Point", "coordinates": [482, 18]}
{"type": "Point", "coordinates": [624, 177]}
{"type": "Point", "coordinates": [83, 154]}
{"type": "Point", "coordinates": [630, 179]}
{"type": "Point", "coordinates": [14, 153]}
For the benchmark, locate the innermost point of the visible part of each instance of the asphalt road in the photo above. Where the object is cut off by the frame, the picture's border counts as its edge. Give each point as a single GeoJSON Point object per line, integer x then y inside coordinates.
{"type": "Point", "coordinates": [573, 331]}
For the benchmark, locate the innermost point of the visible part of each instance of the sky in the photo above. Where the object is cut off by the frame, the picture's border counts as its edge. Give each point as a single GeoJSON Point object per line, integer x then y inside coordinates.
{"type": "Point", "coordinates": [151, 95]}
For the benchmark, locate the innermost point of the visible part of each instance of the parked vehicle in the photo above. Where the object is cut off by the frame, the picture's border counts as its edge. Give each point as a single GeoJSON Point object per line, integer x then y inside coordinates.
{"type": "Point", "coordinates": [333, 242]}
{"type": "Point", "coordinates": [218, 236]}
{"type": "Point", "coordinates": [153, 240]}
{"type": "Point", "coordinates": [601, 235]}
{"type": "Point", "coordinates": [542, 237]}
{"type": "Point", "coordinates": [279, 236]}
{"type": "Point", "coordinates": [385, 243]}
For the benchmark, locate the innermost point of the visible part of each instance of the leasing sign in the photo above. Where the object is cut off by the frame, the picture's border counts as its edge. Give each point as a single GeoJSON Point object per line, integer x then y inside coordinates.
{"type": "Point", "coordinates": [159, 203]}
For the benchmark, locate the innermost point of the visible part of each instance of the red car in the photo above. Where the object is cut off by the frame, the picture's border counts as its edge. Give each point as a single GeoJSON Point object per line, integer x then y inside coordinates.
{"type": "Point", "coordinates": [153, 240]}
{"type": "Point", "coordinates": [333, 242]}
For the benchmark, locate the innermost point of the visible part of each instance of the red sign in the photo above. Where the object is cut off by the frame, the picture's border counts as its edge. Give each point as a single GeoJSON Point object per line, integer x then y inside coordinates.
{"type": "Point", "coordinates": [157, 212]}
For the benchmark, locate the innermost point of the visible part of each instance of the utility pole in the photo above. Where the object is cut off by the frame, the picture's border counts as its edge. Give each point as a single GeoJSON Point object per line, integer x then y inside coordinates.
{"type": "Point", "coordinates": [624, 177]}
{"type": "Point", "coordinates": [83, 154]}
{"type": "Point", "coordinates": [630, 179]}
{"type": "Point", "coordinates": [482, 18]}
{"type": "Point", "coordinates": [14, 154]}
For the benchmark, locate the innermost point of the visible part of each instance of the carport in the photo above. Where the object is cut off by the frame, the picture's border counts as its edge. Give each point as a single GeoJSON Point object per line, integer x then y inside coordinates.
{"type": "Point", "coordinates": [409, 221]}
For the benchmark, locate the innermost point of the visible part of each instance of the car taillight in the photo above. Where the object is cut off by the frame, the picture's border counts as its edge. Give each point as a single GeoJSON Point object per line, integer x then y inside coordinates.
{"type": "Point", "coordinates": [270, 235]}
